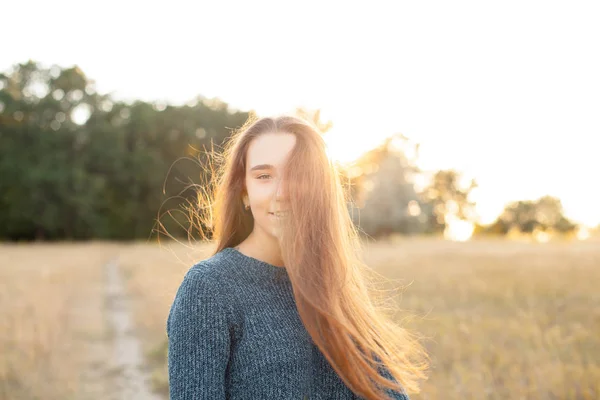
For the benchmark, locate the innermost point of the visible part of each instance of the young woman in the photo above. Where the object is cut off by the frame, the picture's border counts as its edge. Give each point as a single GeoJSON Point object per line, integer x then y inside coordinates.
{"type": "Point", "coordinates": [282, 310]}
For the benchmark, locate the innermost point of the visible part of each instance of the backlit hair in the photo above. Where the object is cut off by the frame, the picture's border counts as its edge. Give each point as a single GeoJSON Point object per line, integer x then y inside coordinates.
{"type": "Point", "coordinates": [321, 251]}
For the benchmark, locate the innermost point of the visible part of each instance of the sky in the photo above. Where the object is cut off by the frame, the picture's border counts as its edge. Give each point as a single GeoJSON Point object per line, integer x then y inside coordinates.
{"type": "Point", "coordinates": [505, 92]}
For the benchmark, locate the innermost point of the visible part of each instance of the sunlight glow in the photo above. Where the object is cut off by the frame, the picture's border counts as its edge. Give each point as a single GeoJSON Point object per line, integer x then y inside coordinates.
{"type": "Point", "coordinates": [583, 233]}
{"type": "Point", "coordinates": [457, 229]}
{"type": "Point", "coordinates": [346, 146]}
{"type": "Point", "coordinates": [541, 236]}
{"type": "Point", "coordinates": [467, 109]}
{"type": "Point", "coordinates": [81, 114]}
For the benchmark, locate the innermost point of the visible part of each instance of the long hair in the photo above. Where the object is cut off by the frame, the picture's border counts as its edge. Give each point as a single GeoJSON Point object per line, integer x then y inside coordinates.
{"type": "Point", "coordinates": [320, 247]}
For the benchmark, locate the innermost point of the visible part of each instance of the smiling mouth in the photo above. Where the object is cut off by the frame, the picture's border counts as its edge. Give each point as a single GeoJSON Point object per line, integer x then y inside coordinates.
{"type": "Point", "coordinates": [279, 214]}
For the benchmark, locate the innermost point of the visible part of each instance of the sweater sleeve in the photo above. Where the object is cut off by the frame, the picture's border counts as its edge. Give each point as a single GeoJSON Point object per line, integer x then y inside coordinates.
{"type": "Point", "coordinates": [198, 340]}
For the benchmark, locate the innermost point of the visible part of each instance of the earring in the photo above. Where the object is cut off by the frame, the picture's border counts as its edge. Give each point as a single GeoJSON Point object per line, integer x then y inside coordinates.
{"type": "Point", "coordinates": [247, 206]}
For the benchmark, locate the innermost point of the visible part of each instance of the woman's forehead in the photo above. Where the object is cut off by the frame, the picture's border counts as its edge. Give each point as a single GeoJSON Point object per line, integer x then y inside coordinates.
{"type": "Point", "coordinates": [270, 151]}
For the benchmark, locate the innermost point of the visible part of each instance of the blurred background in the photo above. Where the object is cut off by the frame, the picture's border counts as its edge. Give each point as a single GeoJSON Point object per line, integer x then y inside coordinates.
{"type": "Point", "coordinates": [465, 131]}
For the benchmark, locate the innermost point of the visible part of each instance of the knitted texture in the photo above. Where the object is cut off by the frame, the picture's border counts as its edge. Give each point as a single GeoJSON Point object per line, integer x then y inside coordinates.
{"type": "Point", "coordinates": [235, 333]}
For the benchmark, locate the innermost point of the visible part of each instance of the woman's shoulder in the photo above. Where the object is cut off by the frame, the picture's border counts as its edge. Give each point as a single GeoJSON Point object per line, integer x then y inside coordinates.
{"type": "Point", "coordinates": [216, 267]}
{"type": "Point", "coordinates": [206, 285]}
{"type": "Point", "coordinates": [216, 276]}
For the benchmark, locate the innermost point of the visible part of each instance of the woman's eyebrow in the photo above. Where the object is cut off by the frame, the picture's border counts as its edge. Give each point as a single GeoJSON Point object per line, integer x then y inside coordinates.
{"type": "Point", "coordinates": [262, 167]}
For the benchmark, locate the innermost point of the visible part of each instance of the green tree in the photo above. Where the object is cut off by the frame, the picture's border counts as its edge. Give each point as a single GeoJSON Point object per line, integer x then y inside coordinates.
{"type": "Point", "coordinates": [383, 190]}
{"type": "Point", "coordinates": [78, 164]}
{"type": "Point", "coordinates": [526, 216]}
{"type": "Point", "coordinates": [447, 195]}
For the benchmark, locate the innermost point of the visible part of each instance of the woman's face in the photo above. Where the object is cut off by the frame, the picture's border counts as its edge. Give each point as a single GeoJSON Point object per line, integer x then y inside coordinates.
{"type": "Point", "coordinates": [266, 158]}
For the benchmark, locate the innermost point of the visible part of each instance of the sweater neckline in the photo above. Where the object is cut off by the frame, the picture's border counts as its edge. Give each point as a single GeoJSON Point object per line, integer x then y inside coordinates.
{"type": "Point", "coordinates": [270, 268]}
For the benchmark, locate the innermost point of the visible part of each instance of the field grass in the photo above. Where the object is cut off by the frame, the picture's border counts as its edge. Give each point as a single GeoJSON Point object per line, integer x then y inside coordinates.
{"type": "Point", "coordinates": [503, 319]}
{"type": "Point", "coordinates": [53, 332]}
{"type": "Point", "coordinates": [507, 319]}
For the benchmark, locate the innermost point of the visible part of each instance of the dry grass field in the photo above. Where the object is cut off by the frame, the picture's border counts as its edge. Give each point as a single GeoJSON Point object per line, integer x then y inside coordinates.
{"type": "Point", "coordinates": [502, 319]}
{"type": "Point", "coordinates": [54, 339]}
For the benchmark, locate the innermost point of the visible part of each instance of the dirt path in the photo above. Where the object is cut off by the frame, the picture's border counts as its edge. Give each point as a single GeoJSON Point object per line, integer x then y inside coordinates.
{"type": "Point", "coordinates": [92, 345]}
{"type": "Point", "coordinates": [131, 382]}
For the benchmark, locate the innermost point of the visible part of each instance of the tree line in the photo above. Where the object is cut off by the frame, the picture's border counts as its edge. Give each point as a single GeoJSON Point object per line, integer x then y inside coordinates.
{"type": "Point", "coordinates": [78, 164]}
{"type": "Point", "coordinates": [389, 200]}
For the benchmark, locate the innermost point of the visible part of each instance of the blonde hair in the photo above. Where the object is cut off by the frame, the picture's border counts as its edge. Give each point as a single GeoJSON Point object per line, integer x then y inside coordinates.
{"type": "Point", "coordinates": [322, 258]}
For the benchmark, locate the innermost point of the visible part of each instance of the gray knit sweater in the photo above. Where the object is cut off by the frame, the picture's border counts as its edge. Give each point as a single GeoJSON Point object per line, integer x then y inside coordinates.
{"type": "Point", "coordinates": [235, 333]}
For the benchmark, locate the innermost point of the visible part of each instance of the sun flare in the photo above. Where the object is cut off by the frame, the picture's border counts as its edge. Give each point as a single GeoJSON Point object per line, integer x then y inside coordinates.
{"type": "Point", "coordinates": [345, 147]}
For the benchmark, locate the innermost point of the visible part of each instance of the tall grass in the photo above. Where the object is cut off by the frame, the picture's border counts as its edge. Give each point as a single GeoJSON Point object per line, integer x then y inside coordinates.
{"type": "Point", "coordinates": [503, 319]}
{"type": "Point", "coordinates": [48, 329]}
{"type": "Point", "coordinates": [506, 319]}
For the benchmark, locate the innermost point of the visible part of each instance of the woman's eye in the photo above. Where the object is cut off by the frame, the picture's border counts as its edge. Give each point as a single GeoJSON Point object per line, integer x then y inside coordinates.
{"type": "Point", "coordinates": [261, 176]}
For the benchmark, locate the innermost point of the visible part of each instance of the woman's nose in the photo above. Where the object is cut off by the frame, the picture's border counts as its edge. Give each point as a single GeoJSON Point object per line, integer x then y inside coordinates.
{"type": "Point", "coordinates": [281, 191]}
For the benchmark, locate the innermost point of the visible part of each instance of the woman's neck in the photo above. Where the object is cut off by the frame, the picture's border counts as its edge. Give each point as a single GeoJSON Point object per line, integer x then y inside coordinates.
{"type": "Point", "coordinates": [262, 251]}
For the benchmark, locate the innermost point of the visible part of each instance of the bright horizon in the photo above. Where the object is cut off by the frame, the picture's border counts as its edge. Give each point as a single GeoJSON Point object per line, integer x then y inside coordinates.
{"type": "Point", "coordinates": [506, 93]}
